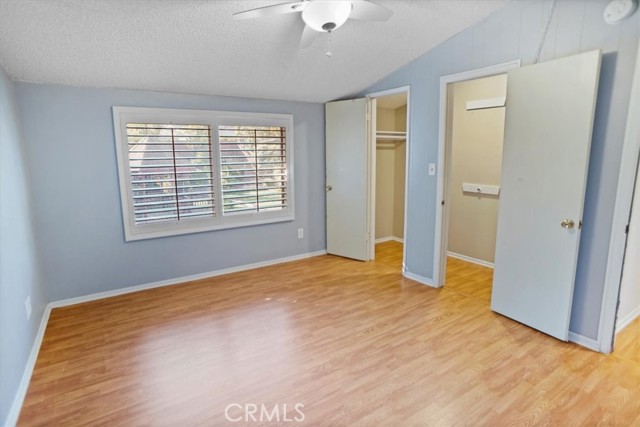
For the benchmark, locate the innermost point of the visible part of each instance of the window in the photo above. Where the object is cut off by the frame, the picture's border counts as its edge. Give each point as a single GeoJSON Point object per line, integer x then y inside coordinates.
{"type": "Point", "coordinates": [171, 171]}
{"type": "Point", "coordinates": [185, 171]}
{"type": "Point", "coordinates": [253, 163]}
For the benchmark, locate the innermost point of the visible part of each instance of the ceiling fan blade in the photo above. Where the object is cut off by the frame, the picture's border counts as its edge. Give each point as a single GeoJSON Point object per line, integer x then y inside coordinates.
{"type": "Point", "coordinates": [309, 35]}
{"type": "Point", "coordinates": [364, 10]}
{"type": "Point", "coordinates": [276, 9]}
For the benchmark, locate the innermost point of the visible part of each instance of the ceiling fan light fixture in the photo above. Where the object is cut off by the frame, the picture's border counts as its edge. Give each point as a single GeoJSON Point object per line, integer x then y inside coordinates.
{"type": "Point", "coordinates": [326, 16]}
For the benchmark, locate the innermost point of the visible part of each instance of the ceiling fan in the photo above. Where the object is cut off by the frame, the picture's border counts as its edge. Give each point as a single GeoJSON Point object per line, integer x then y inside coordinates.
{"type": "Point", "coordinates": [321, 16]}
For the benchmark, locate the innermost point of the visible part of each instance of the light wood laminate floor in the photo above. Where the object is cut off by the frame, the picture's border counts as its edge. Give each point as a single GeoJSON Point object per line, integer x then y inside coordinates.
{"type": "Point", "coordinates": [355, 343]}
{"type": "Point", "coordinates": [470, 280]}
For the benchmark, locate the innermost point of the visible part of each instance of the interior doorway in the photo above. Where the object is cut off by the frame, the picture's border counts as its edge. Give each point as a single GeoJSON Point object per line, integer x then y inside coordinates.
{"type": "Point", "coordinates": [447, 86]}
{"type": "Point", "coordinates": [354, 141]}
{"type": "Point", "coordinates": [547, 138]}
{"type": "Point", "coordinates": [473, 166]}
{"type": "Point", "coordinates": [391, 120]}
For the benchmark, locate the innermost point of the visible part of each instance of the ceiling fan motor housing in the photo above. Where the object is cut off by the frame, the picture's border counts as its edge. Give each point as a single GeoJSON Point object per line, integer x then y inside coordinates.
{"type": "Point", "coordinates": [326, 16]}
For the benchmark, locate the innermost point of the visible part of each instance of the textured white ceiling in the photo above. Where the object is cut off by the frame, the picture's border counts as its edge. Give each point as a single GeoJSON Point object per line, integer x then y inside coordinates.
{"type": "Point", "coordinates": [194, 46]}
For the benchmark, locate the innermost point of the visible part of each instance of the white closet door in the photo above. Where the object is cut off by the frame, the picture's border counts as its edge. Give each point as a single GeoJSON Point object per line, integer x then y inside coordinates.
{"type": "Point", "coordinates": [548, 126]}
{"type": "Point", "coordinates": [348, 187]}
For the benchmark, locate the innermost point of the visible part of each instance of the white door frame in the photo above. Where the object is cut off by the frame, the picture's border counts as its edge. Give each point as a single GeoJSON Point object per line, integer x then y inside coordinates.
{"type": "Point", "coordinates": [371, 97]}
{"type": "Point", "coordinates": [440, 250]}
{"type": "Point", "coordinates": [621, 217]}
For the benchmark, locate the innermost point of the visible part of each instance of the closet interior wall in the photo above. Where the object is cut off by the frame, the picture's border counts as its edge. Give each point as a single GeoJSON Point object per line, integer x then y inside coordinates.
{"type": "Point", "coordinates": [390, 172]}
{"type": "Point", "coordinates": [475, 157]}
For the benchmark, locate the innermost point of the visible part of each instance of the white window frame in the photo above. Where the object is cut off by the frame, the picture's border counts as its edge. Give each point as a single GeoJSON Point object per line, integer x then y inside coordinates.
{"type": "Point", "coordinates": [133, 231]}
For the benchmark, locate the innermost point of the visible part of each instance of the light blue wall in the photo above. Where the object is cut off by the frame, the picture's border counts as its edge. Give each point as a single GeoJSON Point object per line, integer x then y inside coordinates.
{"type": "Point", "coordinates": [19, 273]}
{"type": "Point", "coordinates": [514, 32]}
{"type": "Point", "coordinates": [71, 151]}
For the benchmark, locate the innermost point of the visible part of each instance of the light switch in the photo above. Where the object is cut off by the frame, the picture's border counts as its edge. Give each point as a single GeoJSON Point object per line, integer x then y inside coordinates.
{"type": "Point", "coordinates": [432, 169]}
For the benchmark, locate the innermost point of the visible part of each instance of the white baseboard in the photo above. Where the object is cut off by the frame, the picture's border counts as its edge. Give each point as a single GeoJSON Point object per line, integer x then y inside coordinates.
{"type": "Point", "coordinates": [390, 239]}
{"type": "Point", "coordinates": [21, 392]}
{"type": "Point", "coordinates": [469, 259]}
{"type": "Point", "coordinates": [183, 279]}
{"type": "Point", "coordinates": [384, 239]}
{"type": "Point", "coordinates": [589, 343]}
{"type": "Point", "coordinates": [626, 320]}
{"type": "Point", "coordinates": [420, 279]}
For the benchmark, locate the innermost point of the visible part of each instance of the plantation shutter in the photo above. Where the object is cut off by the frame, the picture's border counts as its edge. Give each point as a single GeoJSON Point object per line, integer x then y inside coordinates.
{"type": "Point", "coordinates": [253, 162]}
{"type": "Point", "coordinates": [171, 172]}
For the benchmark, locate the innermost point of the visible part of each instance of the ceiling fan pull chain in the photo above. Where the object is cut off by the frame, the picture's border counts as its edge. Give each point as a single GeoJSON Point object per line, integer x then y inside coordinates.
{"type": "Point", "coordinates": [328, 53]}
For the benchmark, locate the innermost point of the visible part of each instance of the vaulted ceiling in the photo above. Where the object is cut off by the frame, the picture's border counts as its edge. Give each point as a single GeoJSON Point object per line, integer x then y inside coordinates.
{"type": "Point", "coordinates": [194, 46]}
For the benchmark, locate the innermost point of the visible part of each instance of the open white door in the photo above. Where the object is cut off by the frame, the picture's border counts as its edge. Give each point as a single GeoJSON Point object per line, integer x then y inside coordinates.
{"type": "Point", "coordinates": [547, 140]}
{"type": "Point", "coordinates": [348, 184]}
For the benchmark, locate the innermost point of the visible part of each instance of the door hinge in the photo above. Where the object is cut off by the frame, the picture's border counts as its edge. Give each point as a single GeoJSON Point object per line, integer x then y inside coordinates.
{"type": "Point", "coordinates": [442, 203]}
{"type": "Point", "coordinates": [579, 225]}
{"type": "Point", "coordinates": [626, 229]}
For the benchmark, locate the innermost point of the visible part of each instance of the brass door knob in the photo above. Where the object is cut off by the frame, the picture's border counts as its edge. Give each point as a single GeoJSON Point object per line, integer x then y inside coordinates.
{"type": "Point", "coordinates": [567, 223]}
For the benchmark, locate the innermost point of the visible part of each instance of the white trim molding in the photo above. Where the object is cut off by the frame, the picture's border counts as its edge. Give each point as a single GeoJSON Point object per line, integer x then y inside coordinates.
{"type": "Point", "coordinates": [183, 279]}
{"type": "Point", "coordinates": [389, 239]}
{"type": "Point", "coordinates": [439, 251]}
{"type": "Point", "coordinates": [621, 217]}
{"type": "Point", "coordinates": [420, 279]}
{"type": "Point", "coordinates": [470, 259]}
{"type": "Point", "coordinates": [390, 92]}
{"type": "Point", "coordinates": [627, 320]}
{"type": "Point", "coordinates": [587, 342]}
{"type": "Point", "coordinates": [21, 392]}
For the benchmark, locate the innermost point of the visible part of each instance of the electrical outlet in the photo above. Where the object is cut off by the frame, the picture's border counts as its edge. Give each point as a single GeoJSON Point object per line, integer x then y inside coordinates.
{"type": "Point", "coordinates": [432, 169]}
{"type": "Point", "coordinates": [27, 306]}
{"type": "Point", "coordinates": [300, 233]}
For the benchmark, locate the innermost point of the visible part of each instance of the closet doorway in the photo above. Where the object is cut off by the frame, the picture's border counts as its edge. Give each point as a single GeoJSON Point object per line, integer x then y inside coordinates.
{"type": "Point", "coordinates": [548, 123]}
{"type": "Point", "coordinates": [367, 152]}
{"type": "Point", "coordinates": [473, 167]}
{"type": "Point", "coordinates": [390, 170]}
